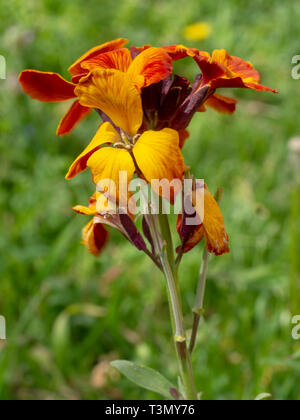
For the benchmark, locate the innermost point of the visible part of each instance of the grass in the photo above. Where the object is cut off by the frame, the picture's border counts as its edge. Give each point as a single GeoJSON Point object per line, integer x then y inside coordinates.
{"type": "Point", "coordinates": [58, 350]}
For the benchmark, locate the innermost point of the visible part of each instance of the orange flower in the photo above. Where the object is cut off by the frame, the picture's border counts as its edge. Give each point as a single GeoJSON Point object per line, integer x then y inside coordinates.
{"type": "Point", "coordinates": [210, 225]}
{"type": "Point", "coordinates": [95, 234]}
{"type": "Point", "coordinates": [149, 67]}
{"type": "Point", "coordinates": [153, 154]}
{"type": "Point", "coordinates": [94, 237]}
{"type": "Point", "coordinates": [51, 87]}
{"type": "Point", "coordinates": [220, 71]}
{"type": "Point", "coordinates": [224, 71]}
{"type": "Point", "coordinates": [220, 103]}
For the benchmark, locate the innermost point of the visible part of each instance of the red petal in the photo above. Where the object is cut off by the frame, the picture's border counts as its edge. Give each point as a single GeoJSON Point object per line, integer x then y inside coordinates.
{"type": "Point", "coordinates": [119, 60]}
{"type": "Point", "coordinates": [46, 87]}
{"type": "Point", "coordinates": [108, 46]}
{"type": "Point", "coordinates": [177, 52]}
{"type": "Point", "coordinates": [221, 103]}
{"type": "Point", "coordinates": [95, 237]}
{"type": "Point", "coordinates": [150, 66]}
{"type": "Point", "coordinates": [74, 115]}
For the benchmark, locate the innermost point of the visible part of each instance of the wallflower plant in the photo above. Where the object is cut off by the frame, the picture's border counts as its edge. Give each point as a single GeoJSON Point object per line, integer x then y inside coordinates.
{"type": "Point", "coordinates": [137, 152]}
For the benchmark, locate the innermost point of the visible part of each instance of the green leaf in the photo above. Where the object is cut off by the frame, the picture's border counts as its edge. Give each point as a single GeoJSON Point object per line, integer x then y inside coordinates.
{"type": "Point", "coordinates": [263, 396]}
{"type": "Point", "coordinates": [144, 377]}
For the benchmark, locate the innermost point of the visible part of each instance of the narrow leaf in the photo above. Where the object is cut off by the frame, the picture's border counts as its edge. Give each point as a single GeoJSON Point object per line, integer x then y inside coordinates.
{"type": "Point", "coordinates": [144, 377]}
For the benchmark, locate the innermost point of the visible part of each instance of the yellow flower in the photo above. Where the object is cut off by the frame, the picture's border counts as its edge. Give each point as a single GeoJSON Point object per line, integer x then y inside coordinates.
{"type": "Point", "coordinates": [155, 153]}
{"type": "Point", "coordinates": [197, 31]}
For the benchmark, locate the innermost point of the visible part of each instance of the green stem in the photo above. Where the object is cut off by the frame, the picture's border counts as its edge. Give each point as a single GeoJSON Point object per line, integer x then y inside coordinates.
{"type": "Point", "coordinates": [199, 308]}
{"type": "Point", "coordinates": [167, 236]}
{"type": "Point", "coordinates": [199, 301]}
{"type": "Point", "coordinates": [294, 249]}
{"type": "Point", "coordinates": [168, 264]}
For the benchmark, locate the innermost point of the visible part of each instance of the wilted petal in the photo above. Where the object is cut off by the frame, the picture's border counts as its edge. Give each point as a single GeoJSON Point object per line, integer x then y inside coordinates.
{"type": "Point", "coordinates": [187, 110]}
{"type": "Point", "coordinates": [174, 97]}
{"type": "Point", "coordinates": [132, 233]}
{"type": "Point", "coordinates": [94, 237]}
{"type": "Point", "coordinates": [212, 228]}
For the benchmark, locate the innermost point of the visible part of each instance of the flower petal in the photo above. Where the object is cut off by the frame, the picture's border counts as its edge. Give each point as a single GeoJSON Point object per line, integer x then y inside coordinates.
{"type": "Point", "coordinates": [106, 164]}
{"type": "Point", "coordinates": [113, 92]}
{"type": "Point", "coordinates": [220, 103]}
{"type": "Point", "coordinates": [210, 70]}
{"type": "Point", "coordinates": [46, 87]}
{"type": "Point", "coordinates": [235, 66]}
{"type": "Point", "coordinates": [212, 228]}
{"type": "Point", "coordinates": [158, 156]}
{"type": "Point", "coordinates": [106, 134]}
{"type": "Point", "coordinates": [94, 237]}
{"type": "Point", "coordinates": [118, 59]}
{"type": "Point", "coordinates": [99, 205]}
{"type": "Point", "coordinates": [213, 225]}
{"type": "Point", "coordinates": [150, 66]}
{"type": "Point", "coordinates": [177, 52]}
{"type": "Point", "coordinates": [89, 211]}
{"type": "Point", "coordinates": [74, 115]}
{"type": "Point", "coordinates": [189, 107]}
{"type": "Point", "coordinates": [183, 136]}
{"type": "Point", "coordinates": [103, 48]}
{"type": "Point", "coordinates": [225, 71]}
{"type": "Point", "coordinates": [260, 88]}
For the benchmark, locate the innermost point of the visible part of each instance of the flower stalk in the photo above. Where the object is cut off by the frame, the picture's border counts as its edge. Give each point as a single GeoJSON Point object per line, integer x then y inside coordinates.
{"type": "Point", "coordinates": [145, 111]}
{"type": "Point", "coordinates": [198, 309]}
{"type": "Point", "coordinates": [170, 272]}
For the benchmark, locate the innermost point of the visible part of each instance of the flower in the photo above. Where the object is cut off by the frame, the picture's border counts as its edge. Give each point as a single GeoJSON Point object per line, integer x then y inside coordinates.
{"type": "Point", "coordinates": [94, 237]}
{"type": "Point", "coordinates": [147, 68]}
{"type": "Point", "coordinates": [219, 70]}
{"type": "Point", "coordinates": [118, 145]}
{"type": "Point", "coordinates": [51, 87]}
{"type": "Point", "coordinates": [145, 113]}
{"type": "Point", "coordinates": [210, 224]}
{"type": "Point", "coordinates": [197, 31]}
{"type": "Point", "coordinates": [172, 104]}
{"type": "Point", "coordinates": [222, 70]}
{"type": "Point", "coordinates": [95, 234]}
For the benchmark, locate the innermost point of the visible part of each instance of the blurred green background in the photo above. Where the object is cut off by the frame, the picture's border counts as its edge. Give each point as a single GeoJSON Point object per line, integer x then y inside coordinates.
{"type": "Point", "coordinates": [69, 314]}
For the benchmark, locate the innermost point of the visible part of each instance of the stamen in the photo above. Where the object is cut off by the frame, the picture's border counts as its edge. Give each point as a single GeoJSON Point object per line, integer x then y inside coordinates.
{"type": "Point", "coordinates": [135, 138]}
{"type": "Point", "coordinates": [124, 137]}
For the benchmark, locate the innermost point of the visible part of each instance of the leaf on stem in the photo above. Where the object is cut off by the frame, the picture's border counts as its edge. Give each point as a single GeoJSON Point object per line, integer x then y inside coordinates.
{"type": "Point", "coordinates": [144, 377]}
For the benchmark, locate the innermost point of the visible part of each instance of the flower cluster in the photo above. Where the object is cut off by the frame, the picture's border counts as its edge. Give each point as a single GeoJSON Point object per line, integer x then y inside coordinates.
{"type": "Point", "coordinates": [145, 112]}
